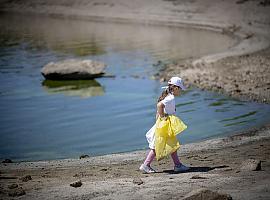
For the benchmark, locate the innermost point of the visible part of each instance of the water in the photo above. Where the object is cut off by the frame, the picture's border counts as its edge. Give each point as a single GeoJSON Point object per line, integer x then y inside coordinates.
{"type": "Point", "coordinates": [49, 120]}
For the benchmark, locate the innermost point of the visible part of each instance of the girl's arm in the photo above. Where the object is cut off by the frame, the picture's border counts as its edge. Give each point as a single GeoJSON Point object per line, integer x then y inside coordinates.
{"type": "Point", "coordinates": [160, 110]}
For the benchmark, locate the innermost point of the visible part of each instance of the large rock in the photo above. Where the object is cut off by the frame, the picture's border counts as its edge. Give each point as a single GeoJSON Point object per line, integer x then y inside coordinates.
{"type": "Point", "coordinates": [73, 69]}
{"type": "Point", "coordinates": [205, 194]}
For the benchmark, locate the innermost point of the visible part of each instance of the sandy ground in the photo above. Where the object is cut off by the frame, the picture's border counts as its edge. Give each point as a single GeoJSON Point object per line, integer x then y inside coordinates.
{"type": "Point", "coordinates": [215, 165]}
{"type": "Point", "coordinates": [242, 71]}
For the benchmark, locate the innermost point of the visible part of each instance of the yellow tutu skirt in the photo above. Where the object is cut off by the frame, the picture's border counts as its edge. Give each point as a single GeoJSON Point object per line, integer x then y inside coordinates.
{"type": "Point", "coordinates": [165, 135]}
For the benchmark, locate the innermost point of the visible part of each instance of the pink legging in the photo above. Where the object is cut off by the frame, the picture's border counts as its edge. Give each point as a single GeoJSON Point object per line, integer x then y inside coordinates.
{"type": "Point", "coordinates": [151, 155]}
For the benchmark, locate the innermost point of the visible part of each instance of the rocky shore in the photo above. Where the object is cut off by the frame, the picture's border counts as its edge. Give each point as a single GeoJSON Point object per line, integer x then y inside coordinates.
{"type": "Point", "coordinates": [238, 166]}
{"type": "Point", "coordinates": [244, 77]}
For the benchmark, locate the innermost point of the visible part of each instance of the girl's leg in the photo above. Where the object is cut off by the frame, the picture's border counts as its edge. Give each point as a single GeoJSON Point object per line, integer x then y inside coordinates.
{"type": "Point", "coordinates": [175, 159]}
{"type": "Point", "coordinates": [150, 157]}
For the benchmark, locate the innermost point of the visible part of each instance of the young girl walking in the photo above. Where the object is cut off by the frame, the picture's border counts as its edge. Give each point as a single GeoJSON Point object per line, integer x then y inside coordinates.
{"type": "Point", "coordinates": [165, 115]}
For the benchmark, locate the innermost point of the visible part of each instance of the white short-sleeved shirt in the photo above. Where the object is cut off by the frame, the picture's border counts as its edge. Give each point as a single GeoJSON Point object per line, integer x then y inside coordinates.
{"type": "Point", "coordinates": [169, 104]}
{"type": "Point", "coordinates": [169, 109]}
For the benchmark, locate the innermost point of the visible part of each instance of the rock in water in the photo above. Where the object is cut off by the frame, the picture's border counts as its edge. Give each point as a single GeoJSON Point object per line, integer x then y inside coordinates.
{"type": "Point", "coordinates": [205, 194]}
{"type": "Point", "coordinates": [7, 161]}
{"type": "Point", "coordinates": [73, 69]}
{"type": "Point", "coordinates": [84, 156]}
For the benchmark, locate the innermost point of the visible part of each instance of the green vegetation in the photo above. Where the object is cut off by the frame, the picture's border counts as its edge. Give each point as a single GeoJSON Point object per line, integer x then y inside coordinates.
{"type": "Point", "coordinates": [183, 104]}
{"type": "Point", "coordinates": [241, 122]}
{"type": "Point", "coordinates": [220, 102]}
{"type": "Point", "coordinates": [186, 111]}
{"type": "Point", "coordinates": [239, 117]}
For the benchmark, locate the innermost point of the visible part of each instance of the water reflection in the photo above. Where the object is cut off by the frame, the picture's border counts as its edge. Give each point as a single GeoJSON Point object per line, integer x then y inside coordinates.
{"type": "Point", "coordinates": [81, 48]}
{"type": "Point", "coordinates": [86, 38]}
{"type": "Point", "coordinates": [82, 88]}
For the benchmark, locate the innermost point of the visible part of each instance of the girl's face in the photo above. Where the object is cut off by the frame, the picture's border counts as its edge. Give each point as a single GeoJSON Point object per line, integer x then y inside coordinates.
{"type": "Point", "coordinates": [176, 90]}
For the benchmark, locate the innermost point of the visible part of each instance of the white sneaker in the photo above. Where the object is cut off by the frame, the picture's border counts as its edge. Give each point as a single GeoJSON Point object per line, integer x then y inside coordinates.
{"type": "Point", "coordinates": [147, 169]}
{"type": "Point", "coordinates": [181, 168]}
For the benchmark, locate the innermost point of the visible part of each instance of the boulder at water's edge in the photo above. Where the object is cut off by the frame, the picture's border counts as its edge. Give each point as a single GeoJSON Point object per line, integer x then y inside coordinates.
{"type": "Point", "coordinates": [73, 69]}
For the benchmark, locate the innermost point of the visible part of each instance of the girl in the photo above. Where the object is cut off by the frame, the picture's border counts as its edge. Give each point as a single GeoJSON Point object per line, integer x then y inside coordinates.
{"type": "Point", "coordinates": [165, 107]}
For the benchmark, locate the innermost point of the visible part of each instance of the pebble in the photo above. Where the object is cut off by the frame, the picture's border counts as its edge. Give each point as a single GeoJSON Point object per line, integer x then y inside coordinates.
{"type": "Point", "coordinates": [76, 184]}
{"type": "Point", "coordinates": [13, 186]}
{"type": "Point", "coordinates": [7, 161]}
{"type": "Point", "coordinates": [26, 178]}
{"type": "Point", "coordinates": [137, 181]}
{"type": "Point", "coordinates": [16, 192]}
{"type": "Point", "coordinates": [84, 156]}
{"type": "Point", "coordinates": [205, 194]}
{"type": "Point", "coordinates": [198, 177]}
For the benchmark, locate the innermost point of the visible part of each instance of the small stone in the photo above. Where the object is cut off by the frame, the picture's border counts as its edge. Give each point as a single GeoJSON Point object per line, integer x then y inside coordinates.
{"type": "Point", "coordinates": [251, 165]}
{"type": "Point", "coordinates": [198, 177]}
{"type": "Point", "coordinates": [13, 186]}
{"type": "Point", "coordinates": [249, 35]}
{"type": "Point", "coordinates": [137, 181]}
{"type": "Point", "coordinates": [205, 194]}
{"type": "Point", "coordinates": [248, 72]}
{"type": "Point", "coordinates": [26, 178]}
{"type": "Point", "coordinates": [84, 156]}
{"type": "Point", "coordinates": [7, 161]}
{"type": "Point", "coordinates": [16, 192]}
{"type": "Point", "coordinates": [76, 184]}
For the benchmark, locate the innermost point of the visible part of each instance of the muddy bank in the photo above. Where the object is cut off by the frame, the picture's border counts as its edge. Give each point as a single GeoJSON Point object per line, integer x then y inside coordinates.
{"type": "Point", "coordinates": [245, 77]}
{"type": "Point", "coordinates": [218, 168]}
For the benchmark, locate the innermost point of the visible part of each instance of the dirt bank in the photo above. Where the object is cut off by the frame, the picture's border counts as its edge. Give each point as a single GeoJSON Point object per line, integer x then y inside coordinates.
{"type": "Point", "coordinates": [215, 164]}
{"type": "Point", "coordinates": [245, 77]}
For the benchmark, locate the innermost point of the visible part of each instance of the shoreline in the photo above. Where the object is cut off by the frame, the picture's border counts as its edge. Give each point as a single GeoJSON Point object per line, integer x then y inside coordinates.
{"type": "Point", "coordinates": [216, 162]}
{"type": "Point", "coordinates": [215, 143]}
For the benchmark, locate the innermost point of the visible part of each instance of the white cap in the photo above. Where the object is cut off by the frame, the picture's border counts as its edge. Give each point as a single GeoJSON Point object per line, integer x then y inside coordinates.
{"type": "Point", "coordinates": [178, 82]}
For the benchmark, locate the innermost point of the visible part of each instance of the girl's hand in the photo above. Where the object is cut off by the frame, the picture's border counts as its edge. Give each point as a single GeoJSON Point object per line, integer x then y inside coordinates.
{"type": "Point", "coordinates": [164, 118]}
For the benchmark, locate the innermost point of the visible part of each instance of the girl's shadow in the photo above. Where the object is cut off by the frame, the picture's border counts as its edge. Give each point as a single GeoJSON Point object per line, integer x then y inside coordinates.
{"type": "Point", "coordinates": [196, 169]}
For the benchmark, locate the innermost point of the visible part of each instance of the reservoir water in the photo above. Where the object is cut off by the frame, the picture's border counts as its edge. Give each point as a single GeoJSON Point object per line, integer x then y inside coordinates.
{"type": "Point", "coordinates": [51, 120]}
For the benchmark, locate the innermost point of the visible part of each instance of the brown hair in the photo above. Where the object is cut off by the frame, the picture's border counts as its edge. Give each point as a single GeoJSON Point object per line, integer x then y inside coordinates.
{"type": "Point", "coordinates": [165, 93]}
